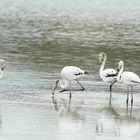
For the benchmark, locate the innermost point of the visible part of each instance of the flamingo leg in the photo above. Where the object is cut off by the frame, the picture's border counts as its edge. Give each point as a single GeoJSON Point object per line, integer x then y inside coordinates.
{"type": "Point", "coordinates": [131, 110]}
{"type": "Point", "coordinates": [80, 85]}
{"type": "Point", "coordinates": [63, 90]}
{"type": "Point", "coordinates": [109, 101]}
{"type": "Point", "coordinates": [70, 94]}
{"type": "Point", "coordinates": [111, 87]}
{"type": "Point", "coordinates": [131, 94]}
{"type": "Point", "coordinates": [70, 91]}
{"type": "Point", "coordinates": [126, 110]}
{"type": "Point", "coordinates": [69, 104]}
{"type": "Point", "coordinates": [127, 95]}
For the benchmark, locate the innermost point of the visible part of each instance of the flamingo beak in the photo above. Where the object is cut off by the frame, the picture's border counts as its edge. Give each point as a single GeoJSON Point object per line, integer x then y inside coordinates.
{"type": "Point", "coordinates": [97, 60]}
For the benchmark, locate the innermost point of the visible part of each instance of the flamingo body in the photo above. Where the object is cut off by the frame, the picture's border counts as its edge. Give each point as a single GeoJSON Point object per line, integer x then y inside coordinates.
{"type": "Point", "coordinates": [129, 78]}
{"type": "Point", "coordinates": [108, 75]}
{"type": "Point", "coordinates": [71, 73]}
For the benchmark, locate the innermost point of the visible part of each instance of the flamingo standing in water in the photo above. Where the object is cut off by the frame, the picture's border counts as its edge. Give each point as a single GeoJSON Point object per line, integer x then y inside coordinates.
{"type": "Point", "coordinates": [69, 73]}
{"type": "Point", "coordinates": [107, 75]}
{"type": "Point", "coordinates": [128, 78]}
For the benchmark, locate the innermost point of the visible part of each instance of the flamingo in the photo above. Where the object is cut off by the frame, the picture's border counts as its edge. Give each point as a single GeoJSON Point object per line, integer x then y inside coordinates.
{"type": "Point", "coordinates": [2, 66]}
{"type": "Point", "coordinates": [107, 75]}
{"type": "Point", "coordinates": [128, 78]}
{"type": "Point", "coordinates": [69, 73]}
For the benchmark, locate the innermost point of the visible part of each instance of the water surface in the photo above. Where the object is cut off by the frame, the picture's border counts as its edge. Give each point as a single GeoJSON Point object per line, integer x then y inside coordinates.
{"type": "Point", "coordinates": [37, 39]}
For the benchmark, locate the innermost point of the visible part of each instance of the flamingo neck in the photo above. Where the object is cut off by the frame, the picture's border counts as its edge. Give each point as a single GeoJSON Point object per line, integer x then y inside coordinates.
{"type": "Point", "coordinates": [120, 73]}
{"type": "Point", "coordinates": [103, 63]}
{"type": "Point", "coordinates": [64, 84]}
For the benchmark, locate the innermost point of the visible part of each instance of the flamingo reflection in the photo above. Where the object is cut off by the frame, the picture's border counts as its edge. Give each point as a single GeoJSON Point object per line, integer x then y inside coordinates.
{"type": "Point", "coordinates": [110, 122]}
{"type": "Point", "coordinates": [64, 109]}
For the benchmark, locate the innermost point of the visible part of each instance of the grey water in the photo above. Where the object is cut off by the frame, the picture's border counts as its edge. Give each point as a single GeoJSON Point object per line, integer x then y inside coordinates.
{"type": "Point", "coordinates": [39, 38]}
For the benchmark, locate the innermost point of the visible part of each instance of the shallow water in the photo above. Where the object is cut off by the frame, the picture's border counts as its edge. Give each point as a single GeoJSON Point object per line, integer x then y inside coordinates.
{"type": "Point", "coordinates": [37, 39]}
{"type": "Point", "coordinates": [68, 120]}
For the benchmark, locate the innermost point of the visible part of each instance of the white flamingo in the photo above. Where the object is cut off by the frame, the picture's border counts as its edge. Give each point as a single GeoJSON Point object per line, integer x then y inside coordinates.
{"type": "Point", "coordinates": [128, 78]}
{"type": "Point", "coordinates": [2, 66]}
{"type": "Point", "coordinates": [107, 75]}
{"type": "Point", "coordinates": [69, 73]}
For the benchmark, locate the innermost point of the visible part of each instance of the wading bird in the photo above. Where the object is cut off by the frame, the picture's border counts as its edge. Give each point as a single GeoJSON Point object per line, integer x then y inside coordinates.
{"type": "Point", "coordinates": [107, 75]}
{"type": "Point", "coordinates": [128, 78]}
{"type": "Point", "coordinates": [2, 66]}
{"type": "Point", "coordinates": [68, 74]}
